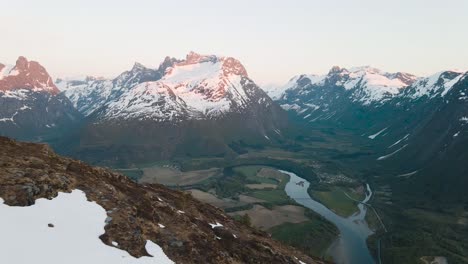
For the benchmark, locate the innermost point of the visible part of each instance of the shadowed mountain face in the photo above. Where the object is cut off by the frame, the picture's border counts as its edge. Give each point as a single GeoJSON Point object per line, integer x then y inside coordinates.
{"type": "Point", "coordinates": [192, 107]}
{"type": "Point", "coordinates": [31, 107]}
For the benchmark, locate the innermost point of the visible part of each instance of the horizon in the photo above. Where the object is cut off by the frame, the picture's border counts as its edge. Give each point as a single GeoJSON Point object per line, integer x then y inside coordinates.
{"type": "Point", "coordinates": [274, 44]}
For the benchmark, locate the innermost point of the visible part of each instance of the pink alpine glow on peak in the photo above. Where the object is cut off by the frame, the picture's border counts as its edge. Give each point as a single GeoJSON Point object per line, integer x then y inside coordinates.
{"type": "Point", "coordinates": [28, 75]}
{"type": "Point", "coordinates": [229, 65]}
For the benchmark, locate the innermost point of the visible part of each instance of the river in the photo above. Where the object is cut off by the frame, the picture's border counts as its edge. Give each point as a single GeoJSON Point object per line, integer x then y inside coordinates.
{"type": "Point", "coordinates": [350, 247]}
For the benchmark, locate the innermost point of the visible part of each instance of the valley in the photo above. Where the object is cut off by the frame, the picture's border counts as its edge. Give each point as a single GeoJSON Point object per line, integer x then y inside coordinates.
{"type": "Point", "coordinates": [336, 169]}
{"type": "Point", "coordinates": [252, 185]}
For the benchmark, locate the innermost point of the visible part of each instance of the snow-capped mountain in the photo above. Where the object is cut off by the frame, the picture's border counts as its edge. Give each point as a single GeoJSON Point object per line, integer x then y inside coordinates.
{"type": "Point", "coordinates": [438, 84]}
{"type": "Point", "coordinates": [87, 94]}
{"type": "Point", "coordinates": [361, 85]}
{"type": "Point", "coordinates": [340, 94]}
{"type": "Point", "coordinates": [30, 104]}
{"type": "Point", "coordinates": [416, 127]}
{"type": "Point", "coordinates": [205, 95]}
{"type": "Point", "coordinates": [90, 93]}
{"type": "Point", "coordinates": [27, 75]}
{"type": "Point", "coordinates": [200, 87]}
{"type": "Point", "coordinates": [364, 97]}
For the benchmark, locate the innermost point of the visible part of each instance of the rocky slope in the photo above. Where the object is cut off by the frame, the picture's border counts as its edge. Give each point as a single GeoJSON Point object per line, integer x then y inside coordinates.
{"type": "Point", "coordinates": [187, 230]}
{"type": "Point", "coordinates": [197, 106]}
{"type": "Point", "coordinates": [30, 104]}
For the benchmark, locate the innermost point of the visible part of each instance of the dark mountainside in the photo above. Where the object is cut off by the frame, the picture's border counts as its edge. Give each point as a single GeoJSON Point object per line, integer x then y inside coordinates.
{"type": "Point", "coordinates": [30, 171]}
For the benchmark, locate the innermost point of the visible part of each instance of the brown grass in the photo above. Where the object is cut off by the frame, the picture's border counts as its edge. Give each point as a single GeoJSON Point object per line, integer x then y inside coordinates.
{"type": "Point", "coordinates": [259, 186]}
{"type": "Point", "coordinates": [213, 200]}
{"type": "Point", "coordinates": [174, 177]}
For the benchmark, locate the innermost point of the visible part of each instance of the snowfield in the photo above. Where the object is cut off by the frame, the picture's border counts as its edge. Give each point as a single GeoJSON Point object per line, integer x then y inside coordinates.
{"type": "Point", "coordinates": [74, 238]}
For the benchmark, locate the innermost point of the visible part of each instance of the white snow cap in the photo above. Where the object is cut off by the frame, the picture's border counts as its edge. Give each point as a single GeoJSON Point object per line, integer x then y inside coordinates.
{"type": "Point", "coordinates": [374, 84]}
{"type": "Point", "coordinates": [202, 86]}
{"type": "Point", "coordinates": [437, 84]}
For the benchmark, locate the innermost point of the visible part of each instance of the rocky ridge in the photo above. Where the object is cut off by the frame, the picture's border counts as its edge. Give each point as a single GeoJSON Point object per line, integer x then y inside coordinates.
{"type": "Point", "coordinates": [187, 230]}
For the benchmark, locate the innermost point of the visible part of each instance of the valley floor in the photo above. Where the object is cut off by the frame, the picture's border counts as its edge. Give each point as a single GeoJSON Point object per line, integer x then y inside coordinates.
{"type": "Point", "coordinates": [337, 164]}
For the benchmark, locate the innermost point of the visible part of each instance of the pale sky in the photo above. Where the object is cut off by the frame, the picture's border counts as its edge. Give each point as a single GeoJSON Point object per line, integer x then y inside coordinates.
{"type": "Point", "coordinates": [275, 40]}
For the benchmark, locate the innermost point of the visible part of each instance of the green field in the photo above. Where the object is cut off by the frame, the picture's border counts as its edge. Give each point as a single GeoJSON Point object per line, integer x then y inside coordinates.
{"type": "Point", "coordinates": [337, 201]}
{"type": "Point", "coordinates": [248, 171]}
{"type": "Point", "coordinates": [277, 197]}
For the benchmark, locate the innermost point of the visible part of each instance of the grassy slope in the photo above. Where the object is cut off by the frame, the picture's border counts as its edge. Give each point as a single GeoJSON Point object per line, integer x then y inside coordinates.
{"type": "Point", "coordinates": [313, 237]}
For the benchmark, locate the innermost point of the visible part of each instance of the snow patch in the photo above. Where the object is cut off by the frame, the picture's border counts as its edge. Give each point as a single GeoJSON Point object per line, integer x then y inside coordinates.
{"type": "Point", "coordinates": [406, 175]}
{"type": "Point", "coordinates": [391, 154]}
{"type": "Point", "coordinates": [377, 134]}
{"type": "Point", "coordinates": [20, 94]}
{"type": "Point", "coordinates": [74, 239]}
{"type": "Point", "coordinates": [215, 225]}
{"type": "Point", "coordinates": [8, 70]}
{"type": "Point", "coordinates": [400, 140]}
{"type": "Point", "coordinates": [294, 107]}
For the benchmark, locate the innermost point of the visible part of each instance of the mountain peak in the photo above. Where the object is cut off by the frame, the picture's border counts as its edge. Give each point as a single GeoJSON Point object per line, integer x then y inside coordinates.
{"type": "Point", "coordinates": [228, 65]}
{"type": "Point", "coordinates": [336, 69]}
{"type": "Point", "coordinates": [26, 75]}
{"type": "Point", "coordinates": [22, 62]}
{"type": "Point", "coordinates": [192, 55]}
{"type": "Point", "coordinates": [138, 66]}
{"type": "Point", "coordinates": [167, 63]}
{"type": "Point", "coordinates": [194, 58]}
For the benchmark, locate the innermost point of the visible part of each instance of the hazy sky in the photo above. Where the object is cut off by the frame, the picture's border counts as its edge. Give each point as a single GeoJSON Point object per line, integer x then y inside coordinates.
{"type": "Point", "coordinates": [273, 39]}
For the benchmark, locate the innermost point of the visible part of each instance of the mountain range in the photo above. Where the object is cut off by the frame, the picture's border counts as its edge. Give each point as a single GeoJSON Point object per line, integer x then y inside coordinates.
{"type": "Point", "coordinates": [206, 105]}
{"type": "Point", "coordinates": [417, 126]}
{"type": "Point", "coordinates": [196, 106]}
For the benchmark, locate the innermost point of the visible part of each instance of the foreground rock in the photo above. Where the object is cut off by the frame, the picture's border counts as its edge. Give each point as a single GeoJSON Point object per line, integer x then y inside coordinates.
{"type": "Point", "coordinates": [187, 230]}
